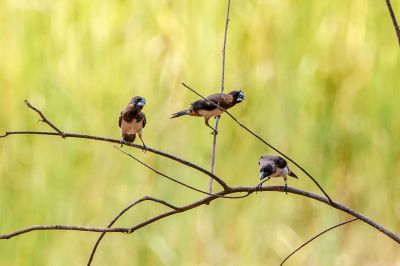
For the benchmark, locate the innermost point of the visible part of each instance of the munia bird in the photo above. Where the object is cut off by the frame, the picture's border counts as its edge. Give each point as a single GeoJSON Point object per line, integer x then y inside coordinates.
{"type": "Point", "coordinates": [208, 109]}
{"type": "Point", "coordinates": [132, 120]}
{"type": "Point", "coordinates": [274, 166]}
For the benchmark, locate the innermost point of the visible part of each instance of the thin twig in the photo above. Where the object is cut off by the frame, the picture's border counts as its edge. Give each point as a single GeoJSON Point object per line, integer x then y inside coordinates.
{"type": "Point", "coordinates": [62, 227]}
{"type": "Point", "coordinates": [146, 198]}
{"type": "Point", "coordinates": [262, 140]}
{"type": "Point", "coordinates": [308, 241]}
{"type": "Point", "coordinates": [231, 190]}
{"type": "Point", "coordinates": [175, 180]}
{"type": "Point", "coordinates": [394, 20]}
{"type": "Point", "coordinates": [44, 119]}
{"type": "Point", "coordinates": [214, 144]}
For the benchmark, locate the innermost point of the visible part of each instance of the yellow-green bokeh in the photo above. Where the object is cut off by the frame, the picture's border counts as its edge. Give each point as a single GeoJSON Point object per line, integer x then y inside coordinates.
{"type": "Point", "coordinates": [322, 84]}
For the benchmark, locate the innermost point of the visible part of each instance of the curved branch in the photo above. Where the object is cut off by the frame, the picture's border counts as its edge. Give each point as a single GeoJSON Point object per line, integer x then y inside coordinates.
{"type": "Point", "coordinates": [249, 190]}
{"type": "Point", "coordinates": [311, 239]}
{"type": "Point", "coordinates": [263, 141]}
{"type": "Point", "coordinates": [146, 198]}
{"type": "Point", "coordinates": [147, 148]}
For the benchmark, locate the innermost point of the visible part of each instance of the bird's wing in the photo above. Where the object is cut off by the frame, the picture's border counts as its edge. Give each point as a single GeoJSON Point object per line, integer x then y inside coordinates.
{"type": "Point", "coordinates": [203, 105]}
{"type": "Point", "coordinates": [144, 120]}
{"type": "Point", "coordinates": [266, 159]}
{"type": "Point", "coordinates": [272, 159]}
{"type": "Point", "coordinates": [120, 119]}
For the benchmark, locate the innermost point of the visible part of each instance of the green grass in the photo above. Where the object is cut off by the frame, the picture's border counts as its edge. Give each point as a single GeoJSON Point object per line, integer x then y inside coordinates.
{"type": "Point", "coordinates": [322, 84]}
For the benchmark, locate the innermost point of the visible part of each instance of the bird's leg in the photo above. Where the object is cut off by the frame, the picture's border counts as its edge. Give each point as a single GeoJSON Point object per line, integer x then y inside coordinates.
{"type": "Point", "coordinates": [144, 145]}
{"type": "Point", "coordinates": [214, 131]}
{"type": "Point", "coordinates": [122, 141]}
{"type": "Point", "coordinates": [258, 188]}
{"type": "Point", "coordinates": [286, 186]}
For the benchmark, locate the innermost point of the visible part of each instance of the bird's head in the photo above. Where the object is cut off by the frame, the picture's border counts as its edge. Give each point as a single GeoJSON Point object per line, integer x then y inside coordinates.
{"type": "Point", "coordinates": [137, 102]}
{"type": "Point", "coordinates": [266, 170]}
{"type": "Point", "coordinates": [238, 96]}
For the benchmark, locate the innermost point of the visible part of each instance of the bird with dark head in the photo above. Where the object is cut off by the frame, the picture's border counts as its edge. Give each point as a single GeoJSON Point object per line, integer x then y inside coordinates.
{"type": "Point", "coordinates": [273, 166]}
{"type": "Point", "coordinates": [132, 120]}
{"type": "Point", "coordinates": [208, 108]}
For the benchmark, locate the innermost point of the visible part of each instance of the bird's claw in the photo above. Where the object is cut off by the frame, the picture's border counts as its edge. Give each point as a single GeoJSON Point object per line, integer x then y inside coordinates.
{"type": "Point", "coordinates": [258, 188]}
{"type": "Point", "coordinates": [144, 148]}
{"type": "Point", "coordinates": [215, 132]}
{"type": "Point", "coordinates": [286, 188]}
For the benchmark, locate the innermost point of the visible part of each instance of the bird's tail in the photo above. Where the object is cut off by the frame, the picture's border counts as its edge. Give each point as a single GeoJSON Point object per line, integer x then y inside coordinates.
{"type": "Point", "coordinates": [181, 113]}
{"type": "Point", "coordinates": [293, 175]}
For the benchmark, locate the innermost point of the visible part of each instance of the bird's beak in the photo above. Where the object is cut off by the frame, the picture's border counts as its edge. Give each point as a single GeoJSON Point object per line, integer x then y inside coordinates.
{"type": "Point", "coordinates": [241, 97]}
{"type": "Point", "coordinates": [141, 103]}
{"type": "Point", "coordinates": [263, 175]}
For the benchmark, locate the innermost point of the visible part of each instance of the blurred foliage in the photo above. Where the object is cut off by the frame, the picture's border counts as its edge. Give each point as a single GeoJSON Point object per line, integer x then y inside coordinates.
{"type": "Point", "coordinates": [322, 84]}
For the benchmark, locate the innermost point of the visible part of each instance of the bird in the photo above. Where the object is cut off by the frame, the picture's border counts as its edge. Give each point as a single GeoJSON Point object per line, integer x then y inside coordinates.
{"type": "Point", "coordinates": [208, 108]}
{"type": "Point", "coordinates": [132, 120]}
{"type": "Point", "coordinates": [274, 166]}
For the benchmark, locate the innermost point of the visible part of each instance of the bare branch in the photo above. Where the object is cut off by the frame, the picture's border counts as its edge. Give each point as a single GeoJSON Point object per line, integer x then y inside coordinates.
{"type": "Point", "coordinates": [147, 148]}
{"type": "Point", "coordinates": [62, 227]}
{"type": "Point", "coordinates": [394, 20]}
{"type": "Point", "coordinates": [44, 119]}
{"type": "Point", "coordinates": [146, 198]}
{"type": "Point", "coordinates": [262, 140]}
{"type": "Point", "coordinates": [231, 190]}
{"type": "Point", "coordinates": [308, 241]}
{"type": "Point", "coordinates": [214, 144]}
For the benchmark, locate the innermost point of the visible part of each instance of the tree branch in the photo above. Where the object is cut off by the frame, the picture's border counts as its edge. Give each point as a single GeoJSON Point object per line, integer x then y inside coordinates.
{"type": "Point", "coordinates": [62, 227]}
{"type": "Point", "coordinates": [394, 20]}
{"type": "Point", "coordinates": [154, 199]}
{"type": "Point", "coordinates": [214, 144]}
{"type": "Point", "coordinates": [308, 241]}
{"type": "Point", "coordinates": [44, 119]}
{"type": "Point", "coordinates": [263, 141]}
{"type": "Point", "coordinates": [146, 198]}
{"type": "Point", "coordinates": [203, 201]}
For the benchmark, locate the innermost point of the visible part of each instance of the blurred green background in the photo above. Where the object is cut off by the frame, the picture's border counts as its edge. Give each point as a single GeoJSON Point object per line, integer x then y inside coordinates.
{"type": "Point", "coordinates": [322, 84]}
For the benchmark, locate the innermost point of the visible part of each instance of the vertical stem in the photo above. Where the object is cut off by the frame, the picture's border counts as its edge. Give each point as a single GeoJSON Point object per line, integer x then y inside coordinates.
{"type": "Point", "coordinates": [214, 146]}
{"type": "Point", "coordinates": [394, 20]}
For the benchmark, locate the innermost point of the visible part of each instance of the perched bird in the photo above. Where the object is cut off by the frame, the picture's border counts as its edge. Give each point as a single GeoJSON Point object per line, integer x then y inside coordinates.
{"type": "Point", "coordinates": [274, 166]}
{"type": "Point", "coordinates": [208, 109]}
{"type": "Point", "coordinates": [132, 120]}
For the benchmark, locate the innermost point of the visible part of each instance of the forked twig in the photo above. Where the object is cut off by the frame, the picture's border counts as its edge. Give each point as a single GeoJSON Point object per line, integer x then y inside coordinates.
{"type": "Point", "coordinates": [44, 119]}
{"type": "Point", "coordinates": [262, 140]}
{"type": "Point", "coordinates": [311, 239]}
